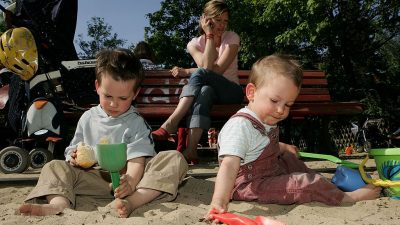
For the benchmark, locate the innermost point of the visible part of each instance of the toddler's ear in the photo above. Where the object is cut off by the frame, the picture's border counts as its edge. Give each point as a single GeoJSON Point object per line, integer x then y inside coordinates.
{"type": "Point", "coordinates": [250, 90]}
{"type": "Point", "coordinates": [97, 85]}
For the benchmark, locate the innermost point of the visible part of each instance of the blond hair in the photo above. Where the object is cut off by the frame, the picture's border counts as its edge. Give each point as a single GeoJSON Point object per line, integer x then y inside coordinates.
{"type": "Point", "coordinates": [276, 65]}
{"type": "Point", "coordinates": [213, 9]}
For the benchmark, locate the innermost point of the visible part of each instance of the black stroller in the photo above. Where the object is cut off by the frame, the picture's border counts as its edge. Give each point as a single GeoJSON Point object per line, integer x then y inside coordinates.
{"type": "Point", "coordinates": [36, 104]}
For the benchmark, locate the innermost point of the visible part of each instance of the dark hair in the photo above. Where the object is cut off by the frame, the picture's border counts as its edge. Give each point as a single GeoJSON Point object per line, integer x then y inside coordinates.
{"type": "Point", "coordinates": [121, 64]}
{"type": "Point", "coordinates": [144, 51]}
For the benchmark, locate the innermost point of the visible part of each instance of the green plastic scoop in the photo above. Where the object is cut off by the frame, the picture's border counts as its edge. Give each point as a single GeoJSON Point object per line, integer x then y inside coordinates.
{"type": "Point", "coordinates": [112, 157]}
{"type": "Point", "coordinates": [331, 158]}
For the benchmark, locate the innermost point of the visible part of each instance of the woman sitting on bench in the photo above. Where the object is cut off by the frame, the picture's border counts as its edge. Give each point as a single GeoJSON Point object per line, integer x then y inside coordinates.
{"type": "Point", "coordinates": [214, 81]}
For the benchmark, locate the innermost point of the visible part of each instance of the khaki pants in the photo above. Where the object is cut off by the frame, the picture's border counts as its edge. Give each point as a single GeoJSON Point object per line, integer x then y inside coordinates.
{"type": "Point", "coordinates": [164, 172]}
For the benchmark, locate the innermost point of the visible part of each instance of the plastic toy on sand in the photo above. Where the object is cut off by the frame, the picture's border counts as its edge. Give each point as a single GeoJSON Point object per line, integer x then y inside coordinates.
{"type": "Point", "coordinates": [233, 219]}
{"type": "Point", "coordinates": [112, 157]}
{"type": "Point", "coordinates": [348, 179]}
{"type": "Point", "coordinates": [388, 165]}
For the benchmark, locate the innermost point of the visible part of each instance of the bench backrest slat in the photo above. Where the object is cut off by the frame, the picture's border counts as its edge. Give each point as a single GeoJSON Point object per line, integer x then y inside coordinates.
{"type": "Point", "coordinates": [149, 81]}
{"type": "Point", "coordinates": [160, 87]}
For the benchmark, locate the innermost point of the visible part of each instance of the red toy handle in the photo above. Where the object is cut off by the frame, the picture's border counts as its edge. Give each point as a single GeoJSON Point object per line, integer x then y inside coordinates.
{"type": "Point", "coordinates": [233, 219]}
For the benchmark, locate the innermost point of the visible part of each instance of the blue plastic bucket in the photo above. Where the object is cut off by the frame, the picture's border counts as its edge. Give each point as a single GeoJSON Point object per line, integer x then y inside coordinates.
{"type": "Point", "coordinates": [347, 179]}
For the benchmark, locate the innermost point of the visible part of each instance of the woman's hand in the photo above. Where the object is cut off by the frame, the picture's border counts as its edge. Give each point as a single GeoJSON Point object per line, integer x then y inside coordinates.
{"type": "Point", "coordinates": [178, 71]}
{"type": "Point", "coordinates": [124, 189]}
{"type": "Point", "coordinates": [206, 24]}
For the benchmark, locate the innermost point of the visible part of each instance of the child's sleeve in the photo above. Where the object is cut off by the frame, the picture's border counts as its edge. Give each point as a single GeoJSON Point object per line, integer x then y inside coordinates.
{"type": "Point", "coordinates": [139, 140]}
{"type": "Point", "coordinates": [78, 137]}
{"type": "Point", "coordinates": [234, 138]}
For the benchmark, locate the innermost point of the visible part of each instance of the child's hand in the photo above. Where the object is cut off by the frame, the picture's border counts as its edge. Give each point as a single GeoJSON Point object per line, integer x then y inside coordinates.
{"type": "Point", "coordinates": [286, 148]}
{"type": "Point", "coordinates": [216, 207]}
{"type": "Point", "coordinates": [72, 161]}
{"type": "Point", "coordinates": [292, 149]}
{"type": "Point", "coordinates": [124, 189]}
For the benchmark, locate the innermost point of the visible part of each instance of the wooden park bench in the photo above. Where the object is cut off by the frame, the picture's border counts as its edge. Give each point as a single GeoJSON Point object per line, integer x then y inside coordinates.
{"type": "Point", "coordinates": [159, 96]}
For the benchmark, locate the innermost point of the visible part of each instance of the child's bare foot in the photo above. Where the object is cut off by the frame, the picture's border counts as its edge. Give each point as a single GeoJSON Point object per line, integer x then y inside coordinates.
{"type": "Point", "coordinates": [123, 207]}
{"type": "Point", "coordinates": [39, 210]}
{"type": "Point", "coordinates": [368, 192]}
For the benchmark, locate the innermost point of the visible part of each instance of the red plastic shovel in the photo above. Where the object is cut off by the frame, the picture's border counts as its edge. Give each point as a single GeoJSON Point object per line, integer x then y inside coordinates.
{"type": "Point", "coordinates": [233, 219]}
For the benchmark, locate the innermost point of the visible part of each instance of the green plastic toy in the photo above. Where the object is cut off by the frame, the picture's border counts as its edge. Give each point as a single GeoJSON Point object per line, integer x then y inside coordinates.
{"type": "Point", "coordinates": [331, 158]}
{"type": "Point", "coordinates": [112, 157]}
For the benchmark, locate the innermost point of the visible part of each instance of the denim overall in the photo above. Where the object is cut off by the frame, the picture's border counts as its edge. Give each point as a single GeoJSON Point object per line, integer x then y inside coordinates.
{"type": "Point", "coordinates": [281, 178]}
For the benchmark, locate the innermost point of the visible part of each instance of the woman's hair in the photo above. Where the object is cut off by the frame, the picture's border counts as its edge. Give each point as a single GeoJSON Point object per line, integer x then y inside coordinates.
{"type": "Point", "coordinates": [213, 9]}
{"type": "Point", "coordinates": [121, 64]}
{"type": "Point", "coordinates": [144, 51]}
{"type": "Point", "coordinates": [276, 65]}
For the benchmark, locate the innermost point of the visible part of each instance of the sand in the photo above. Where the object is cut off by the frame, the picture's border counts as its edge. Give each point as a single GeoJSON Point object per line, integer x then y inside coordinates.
{"type": "Point", "coordinates": [192, 204]}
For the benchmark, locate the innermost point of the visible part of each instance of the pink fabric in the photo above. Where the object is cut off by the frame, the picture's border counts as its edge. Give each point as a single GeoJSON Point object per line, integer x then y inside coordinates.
{"type": "Point", "coordinates": [281, 178]}
{"type": "Point", "coordinates": [228, 38]}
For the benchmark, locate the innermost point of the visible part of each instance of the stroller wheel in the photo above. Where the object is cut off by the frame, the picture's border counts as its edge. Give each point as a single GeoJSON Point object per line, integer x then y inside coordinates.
{"type": "Point", "coordinates": [38, 157]}
{"type": "Point", "coordinates": [13, 160]}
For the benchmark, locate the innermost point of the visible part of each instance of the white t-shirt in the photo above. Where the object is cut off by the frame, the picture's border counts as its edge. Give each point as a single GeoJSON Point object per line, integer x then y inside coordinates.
{"type": "Point", "coordinates": [238, 137]}
{"type": "Point", "coordinates": [129, 128]}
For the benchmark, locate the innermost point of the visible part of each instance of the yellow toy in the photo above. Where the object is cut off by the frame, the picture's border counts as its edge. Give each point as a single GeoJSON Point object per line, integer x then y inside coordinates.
{"type": "Point", "coordinates": [376, 182]}
{"type": "Point", "coordinates": [18, 52]}
{"type": "Point", "coordinates": [85, 156]}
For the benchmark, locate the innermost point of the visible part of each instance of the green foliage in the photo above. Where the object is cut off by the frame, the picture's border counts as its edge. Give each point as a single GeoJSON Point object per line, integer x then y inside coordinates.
{"type": "Point", "coordinates": [254, 39]}
{"type": "Point", "coordinates": [355, 42]}
{"type": "Point", "coordinates": [100, 36]}
{"type": "Point", "coordinates": [372, 106]}
{"type": "Point", "coordinates": [171, 28]}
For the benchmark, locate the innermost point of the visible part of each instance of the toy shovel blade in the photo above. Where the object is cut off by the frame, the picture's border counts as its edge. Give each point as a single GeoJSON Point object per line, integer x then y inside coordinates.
{"type": "Point", "coordinates": [331, 158]}
{"type": "Point", "coordinates": [112, 157]}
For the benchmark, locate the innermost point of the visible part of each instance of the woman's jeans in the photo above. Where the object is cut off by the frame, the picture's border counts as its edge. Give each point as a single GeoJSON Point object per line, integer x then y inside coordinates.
{"type": "Point", "coordinates": [208, 88]}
